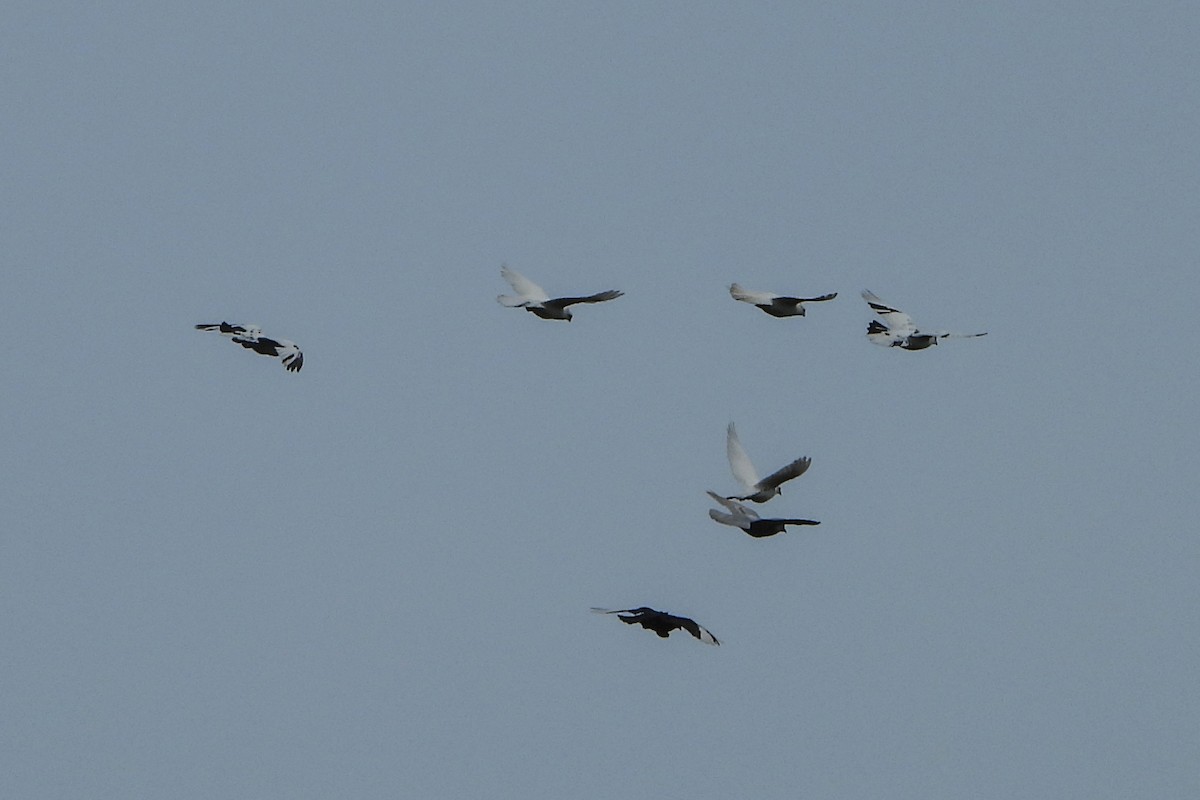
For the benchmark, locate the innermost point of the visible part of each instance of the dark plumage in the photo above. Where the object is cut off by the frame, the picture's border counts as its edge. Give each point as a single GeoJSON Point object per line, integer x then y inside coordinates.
{"type": "Point", "coordinates": [251, 337]}
{"type": "Point", "coordinates": [776, 305]}
{"type": "Point", "coordinates": [660, 622]}
{"type": "Point", "coordinates": [534, 299]}
{"type": "Point", "coordinates": [746, 518]}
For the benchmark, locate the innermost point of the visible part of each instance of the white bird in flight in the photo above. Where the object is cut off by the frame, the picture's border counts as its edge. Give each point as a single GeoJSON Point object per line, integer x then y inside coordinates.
{"type": "Point", "coordinates": [746, 518]}
{"type": "Point", "coordinates": [534, 299]}
{"type": "Point", "coordinates": [900, 330]}
{"type": "Point", "coordinates": [759, 490]}
{"type": "Point", "coordinates": [776, 305]}
{"type": "Point", "coordinates": [251, 337]}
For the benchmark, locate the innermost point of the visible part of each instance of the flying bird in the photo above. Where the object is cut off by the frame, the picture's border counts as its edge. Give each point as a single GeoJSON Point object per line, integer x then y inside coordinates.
{"type": "Point", "coordinates": [251, 337]}
{"type": "Point", "coordinates": [660, 622]}
{"type": "Point", "coordinates": [776, 305]}
{"type": "Point", "coordinates": [740, 516]}
{"type": "Point", "coordinates": [534, 299]}
{"type": "Point", "coordinates": [226, 329]}
{"type": "Point", "coordinates": [900, 330]}
{"type": "Point", "coordinates": [759, 490]}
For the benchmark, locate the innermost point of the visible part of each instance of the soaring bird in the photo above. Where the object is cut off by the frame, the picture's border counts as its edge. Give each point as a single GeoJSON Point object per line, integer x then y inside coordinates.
{"type": "Point", "coordinates": [776, 305]}
{"type": "Point", "coordinates": [900, 330]}
{"type": "Point", "coordinates": [740, 516]}
{"type": "Point", "coordinates": [251, 337]}
{"type": "Point", "coordinates": [759, 490]}
{"type": "Point", "coordinates": [660, 622]}
{"type": "Point", "coordinates": [534, 299]}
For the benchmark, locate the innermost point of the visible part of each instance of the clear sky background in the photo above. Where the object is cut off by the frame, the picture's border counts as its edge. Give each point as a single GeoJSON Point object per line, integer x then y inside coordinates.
{"type": "Point", "coordinates": [371, 579]}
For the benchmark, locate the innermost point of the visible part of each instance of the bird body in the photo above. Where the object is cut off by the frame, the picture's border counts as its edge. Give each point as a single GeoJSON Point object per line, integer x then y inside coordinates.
{"type": "Point", "coordinates": [251, 337]}
{"type": "Point", "coordinates": [660, 622]}
{"type": "Point", "coordinates": [740, 516]}
{"type": "Point", "coordinates": [534, 299]}
{"type": "Point", "coordinates": [759, 490]}
{"type": "Point", "coordinates": [900, 330]}
{"type": "Point", "coordinates": [776, 305]}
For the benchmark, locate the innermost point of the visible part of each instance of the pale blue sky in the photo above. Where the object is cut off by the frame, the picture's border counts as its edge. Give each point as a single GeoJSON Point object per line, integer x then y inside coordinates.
{"type": "Point", "coordinates": [371, 579]}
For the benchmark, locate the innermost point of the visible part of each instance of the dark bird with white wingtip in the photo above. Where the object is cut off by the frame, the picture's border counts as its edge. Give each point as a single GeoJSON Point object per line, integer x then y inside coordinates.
{"type": "Point", "coordinates": [251, 337]}
{"type": "Point", "coordinates": [660, 622]}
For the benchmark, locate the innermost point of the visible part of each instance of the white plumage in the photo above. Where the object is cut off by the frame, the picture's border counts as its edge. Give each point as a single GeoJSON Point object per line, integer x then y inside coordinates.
{"type": "Point", "coordinates": [900, 330]}
{"type": "Point", "coordinates": [534, 299]}
{"type": "Point", "coordinates": [759, 490]}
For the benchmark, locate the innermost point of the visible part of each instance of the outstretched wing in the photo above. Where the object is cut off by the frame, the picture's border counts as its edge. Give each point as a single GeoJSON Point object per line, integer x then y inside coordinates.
{"type": "Point", "coordinates": [229, 329]}
{"type": "Point", "coordinates": [879, 334]}
{"type": "Point", "coordinates": [694, 628]}
{"type": "Point", "coordinates": [529, 291]}
{"type": "Point", "coordinates": [599, 297]}
{"type": "Point", "coordinates": [784, 474]}
{"type": "Point", "coordinates": [739, 462]}
{"type": "Point", "coordinates": [747, 296]}
{"type": "Point", "coordinates": [739, 516]}
{"type": "Point", "coordinates": [734, 506]}
{"type": "Point", "coordinates": [947, 335]}
{"type": "Point", "coordinates": [901, 324]}
{"type": "Point", "coordinates": [820, 299]}
{"type": "Point", "coordinates": [283, 349]}
{"type": "Point", "coordinates": [290, 355]}
{"type": "Point", "coordinates": [726, 519]}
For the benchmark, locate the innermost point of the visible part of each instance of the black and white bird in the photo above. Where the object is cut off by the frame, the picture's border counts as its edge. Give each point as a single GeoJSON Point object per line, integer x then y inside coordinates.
{"type": "Point", "coordinates": [534, 299]}
{"type": "Point", "coordinates": [776, 305]}
{"type": "Point", "coordinates": [251, 337]}
{"type": "Point", "coordinates": [740, 516]}
{"type": "Point", "coordinates": [900, 330]}
{"type": "Point", "coordinates": [660, 622]}
{"type": "Point", "coordinates": [759, 490]}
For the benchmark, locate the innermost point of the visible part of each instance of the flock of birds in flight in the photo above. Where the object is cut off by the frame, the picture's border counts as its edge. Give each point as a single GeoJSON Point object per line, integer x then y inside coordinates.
{"type": "Point", "coordinates": [896, 329]}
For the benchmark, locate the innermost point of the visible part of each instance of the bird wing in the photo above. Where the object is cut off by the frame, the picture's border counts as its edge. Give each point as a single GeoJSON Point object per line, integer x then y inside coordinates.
{"type": "Point", "coordinates": [289, 353]}
{"type": "Point", "coordinates": [529, 291]}
{"type": "Point", "coordinates": [259, 344]}
{"type": "Point", "coordinates": [598, 297]}
{"type": "Point", "coordinates": [738, 513]}
{"type": "Point", "coordinates": [283, 349]}
{"type": "Point", "coordinates": [948, 335]}
{"type": "Point", "coordinates": [694, 628]}
{"type": "Point", "coordinates": [739, 462]}
{"type": "Point", "coordinates": [228, 329]}
{"type": "Point", "coordinates": [747, 296]}
{"type": "Point", "coordinates": [900, 323]}
{"type": "Point", "coordinates": [879, 334]}
{"type": "Point", "coordinates": [794, 521]}
{"type": "Point", "coordinates": [784, 474]}
{"type": "Point", "coordinates": [727, 519]}
{"type": "Point", "coordinates": [820, 299]}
